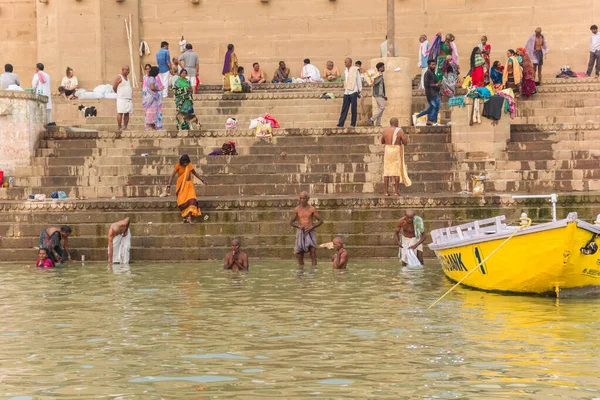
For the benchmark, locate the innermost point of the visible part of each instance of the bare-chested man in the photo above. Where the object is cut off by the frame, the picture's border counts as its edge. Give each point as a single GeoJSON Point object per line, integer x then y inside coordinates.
{"type": "Point", "coordinates": [119, 239]}
{"type": "Point", "coordinates": [340, 258]}
{"type": "Point", "coordinates": [394, 139]}
{"type": "Point", "coordinates": [306, 237]}
{"type": "Point", "coordinates": [236, 260]}
{"type": "Point", "coordinates": [410, 232]}
{"type": "Point", "coordinates": [537, 48]}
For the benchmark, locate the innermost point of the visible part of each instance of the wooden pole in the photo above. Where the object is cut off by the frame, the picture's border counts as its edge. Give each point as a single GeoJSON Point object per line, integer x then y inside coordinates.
{"type": "Point", "coordinates": [391, 28]}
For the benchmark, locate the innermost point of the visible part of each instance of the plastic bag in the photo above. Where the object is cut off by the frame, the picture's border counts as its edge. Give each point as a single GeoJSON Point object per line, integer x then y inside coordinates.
{"type": "Point", "coordinates": [272, 120]}
{"type": "Point", "coordinates": [253, 123]}
{"type": "Point", "coordinates": [231, 123]}
{"type": "Point", "coordinates": [236, 85]}
{"type": "Point", "coordinates": [264, 129]}
{"type": "Point", "coordinates": [467, 82]}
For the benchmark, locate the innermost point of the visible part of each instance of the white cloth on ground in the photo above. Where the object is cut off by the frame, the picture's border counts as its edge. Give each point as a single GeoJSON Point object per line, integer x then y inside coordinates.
{"type": "Point", "coordinates": [121, 248]}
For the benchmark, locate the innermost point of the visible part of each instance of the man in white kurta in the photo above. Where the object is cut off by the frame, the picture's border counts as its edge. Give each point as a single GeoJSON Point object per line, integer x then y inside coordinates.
{"type": "Point", "coordinates": [310, 73]}
{"type": "Point", "coordinates": [41, 86]}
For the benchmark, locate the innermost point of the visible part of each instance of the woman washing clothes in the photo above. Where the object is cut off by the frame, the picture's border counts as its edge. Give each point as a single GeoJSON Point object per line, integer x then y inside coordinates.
{"type": "Point", "coordinates": [185, 191]}
{"type": "Point", "coordinates": [152, 101]}
{"type": "Point", "coordinates": [528, 81]}
{"type": "Point", "coordinates": [50, 239]}
{"type": "Point", "coordinates": [477, 64]}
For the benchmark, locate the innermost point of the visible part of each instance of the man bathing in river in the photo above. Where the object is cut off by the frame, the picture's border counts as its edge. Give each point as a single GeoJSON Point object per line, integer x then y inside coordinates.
{"type": "Point", "coordinates": [119, 242]}
{"type": "Point", "coordinates": [236, 260]}
{"type": "Point", "coordinates": [306, 237]}
{"type": "Point", "coordinates": [340, 258]}
{"type": "Point", "coordinates": [410, 232]}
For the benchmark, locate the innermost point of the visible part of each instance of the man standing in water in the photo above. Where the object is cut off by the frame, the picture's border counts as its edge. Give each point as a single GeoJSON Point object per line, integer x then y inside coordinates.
{"type": "Point", "coordinates": [306, 237]}
{"type": "Point", "coordinates": [236, 260]}
{"type": "Point", "coordinates": [410, 232]}
{"type": "Point", "coordinates": [119, 239]}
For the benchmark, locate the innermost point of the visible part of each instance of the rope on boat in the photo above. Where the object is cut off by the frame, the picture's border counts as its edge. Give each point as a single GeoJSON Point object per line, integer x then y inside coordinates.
{"type": "Point", "coordinates": [525, 222]}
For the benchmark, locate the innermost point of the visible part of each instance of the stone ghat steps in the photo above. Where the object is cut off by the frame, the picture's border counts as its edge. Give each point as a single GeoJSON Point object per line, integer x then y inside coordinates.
{"type": "Point", "coordinates": [228, 179]}
{"type": "Point", "coordinates": [240, 189]}
{"type": "Point", "coordinates": [263, 224]}
{"type": "Point", "coordinates": [241, 150]}
{"type": "Point", "coordinates": [172, 253]}
{"type": "Point", "coordinates": [555, 133]}
{"type": "Point", "coordinates": [374, 166]}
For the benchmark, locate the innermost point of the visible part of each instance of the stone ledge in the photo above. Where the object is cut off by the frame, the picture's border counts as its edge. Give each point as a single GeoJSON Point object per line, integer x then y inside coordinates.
{"type": "Point", "coordinates": [442, 200]}
{"type": "Point", "coordinates": [67, 134]}
{"type": "Point", "coordinates": [13, 94]}
{"type": "Point", "coordinates": [279, 86]}
{"type": "Point", "coordinates": [591, 126]}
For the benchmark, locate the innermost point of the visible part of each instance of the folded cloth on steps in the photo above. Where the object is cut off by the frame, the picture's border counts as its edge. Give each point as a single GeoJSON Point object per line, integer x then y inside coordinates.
{"type": "Point", "coordinates": [304, 241]}
{"type": "Point", "coordinates": [493, 108]}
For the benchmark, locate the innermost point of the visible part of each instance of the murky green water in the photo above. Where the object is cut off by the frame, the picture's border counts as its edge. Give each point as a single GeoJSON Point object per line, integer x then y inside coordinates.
{"type": "Point", "coordinates": [198, 332]}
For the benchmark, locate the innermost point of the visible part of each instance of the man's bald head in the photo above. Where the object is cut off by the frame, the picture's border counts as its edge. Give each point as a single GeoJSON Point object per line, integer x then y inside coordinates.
{"type": "Point", "coordinates": [348, 62]}
{"type": "Point", "coordinates": [236, 242]}
{"type": "Point", "coordinates": [538, 31]}
{"type": "Point", "coordinates": [410, 213]}
{"type": "Point", "coordinates": [338, 242]}
{"type": "Point", "coordinates": [394, 122]}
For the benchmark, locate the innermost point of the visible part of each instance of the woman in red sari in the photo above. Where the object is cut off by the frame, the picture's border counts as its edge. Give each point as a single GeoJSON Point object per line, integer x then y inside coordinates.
{"type": "Point", "coordinates": [477, 63]}
{"type": "Point", "coordinates": [528, 81]}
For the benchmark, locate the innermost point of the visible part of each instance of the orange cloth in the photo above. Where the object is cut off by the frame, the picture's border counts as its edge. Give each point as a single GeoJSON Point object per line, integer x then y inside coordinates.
{"type": "Point", "coordinates": [186, 193]}
{"type": "Point", "coordinates": [517, 74]}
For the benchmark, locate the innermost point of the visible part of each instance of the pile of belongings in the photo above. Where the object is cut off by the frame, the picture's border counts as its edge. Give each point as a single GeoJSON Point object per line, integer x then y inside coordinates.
{"type": "Point", "coordinates": [264, 126]}
{"type": "Point", "coordinates": [565, 72]}
{"type": "Point", "coordinates": [228, 149]}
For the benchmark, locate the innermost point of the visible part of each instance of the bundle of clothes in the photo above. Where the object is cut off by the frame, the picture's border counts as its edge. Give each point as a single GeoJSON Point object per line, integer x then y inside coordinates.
{"type": "Point", "coordinates": [494, 103]}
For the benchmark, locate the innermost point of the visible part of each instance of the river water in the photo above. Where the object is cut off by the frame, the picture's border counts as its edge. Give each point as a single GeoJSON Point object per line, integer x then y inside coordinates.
{"type": "Point", "coordinates": [194, 331]}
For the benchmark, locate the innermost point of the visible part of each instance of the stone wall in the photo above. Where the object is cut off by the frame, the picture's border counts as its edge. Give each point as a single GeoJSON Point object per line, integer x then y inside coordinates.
{"type": "Point", "coordinates": [18, 30]}
{"type": "Point", "coordinates": [93, 41]}
{"type": "Point", "coordinates": [22, 118]}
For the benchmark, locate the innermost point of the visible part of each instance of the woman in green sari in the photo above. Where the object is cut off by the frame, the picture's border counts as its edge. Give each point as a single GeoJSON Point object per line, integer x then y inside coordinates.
{"type": "Point", "coordinates": [183, 101]}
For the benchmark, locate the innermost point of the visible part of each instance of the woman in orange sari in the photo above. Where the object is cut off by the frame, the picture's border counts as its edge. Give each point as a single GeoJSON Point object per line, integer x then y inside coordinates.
{"type": "Point", "coordinates": [186, 194]}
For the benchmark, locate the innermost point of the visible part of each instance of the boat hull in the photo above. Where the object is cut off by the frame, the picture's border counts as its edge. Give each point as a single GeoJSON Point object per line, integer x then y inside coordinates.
{"type": "Point", "coordinates": [540, 262]}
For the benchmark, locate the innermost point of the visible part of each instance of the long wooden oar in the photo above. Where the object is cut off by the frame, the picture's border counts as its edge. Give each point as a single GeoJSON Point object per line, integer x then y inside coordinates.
{"type": "Point", "coordinates": [525, 222]}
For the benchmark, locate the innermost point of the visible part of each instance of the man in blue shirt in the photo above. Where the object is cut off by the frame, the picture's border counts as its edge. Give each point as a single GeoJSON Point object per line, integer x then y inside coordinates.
{"type": "Point", "coordinates": [163, 59]}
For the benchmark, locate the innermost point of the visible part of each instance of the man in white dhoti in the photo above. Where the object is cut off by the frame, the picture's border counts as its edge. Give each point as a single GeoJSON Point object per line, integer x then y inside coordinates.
{"type": "Point", "coordinates": [310, 73]}
{"type": "Point", "coordinates": [119, 242]}
{"type": "Point", "coordinates": [410, 235]}
{"type": "Point", "coordinates": [122, 86]}
{"type": "Point", "coordinates": [41, 86]}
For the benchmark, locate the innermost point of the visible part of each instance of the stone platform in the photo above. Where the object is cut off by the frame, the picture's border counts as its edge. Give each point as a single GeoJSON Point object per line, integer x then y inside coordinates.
{"type": "Point", "coordinates": [251, 195]}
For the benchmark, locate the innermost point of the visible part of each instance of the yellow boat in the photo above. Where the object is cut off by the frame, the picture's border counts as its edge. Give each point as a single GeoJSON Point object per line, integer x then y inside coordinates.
{"type": "Point", "coordinates": [555, 257]}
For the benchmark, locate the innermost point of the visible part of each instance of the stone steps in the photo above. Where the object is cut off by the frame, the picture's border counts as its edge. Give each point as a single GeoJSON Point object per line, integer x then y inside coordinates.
{"type": "Point", "coordinates": [241, 189]}
{"type": "Point", "coordinates": [367, 223]}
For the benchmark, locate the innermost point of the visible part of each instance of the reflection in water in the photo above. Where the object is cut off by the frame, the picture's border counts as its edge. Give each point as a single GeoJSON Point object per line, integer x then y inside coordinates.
{"type": "Point", "coordinates": [181, 331]}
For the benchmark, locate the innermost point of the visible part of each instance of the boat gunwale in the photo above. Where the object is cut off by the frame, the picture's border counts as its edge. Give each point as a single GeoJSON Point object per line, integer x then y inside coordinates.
{"type": "Point", "coordinates": [546, 226]}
